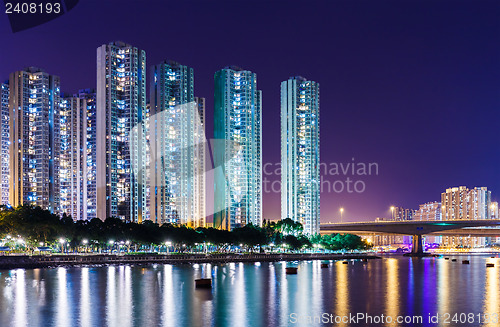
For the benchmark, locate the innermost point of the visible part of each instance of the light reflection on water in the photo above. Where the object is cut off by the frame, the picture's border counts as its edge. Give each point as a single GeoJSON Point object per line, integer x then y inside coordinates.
{"type": "Point", "coordinates": [392, 288]}
{"type": "Point", "coordinates": [342, 291]}
{"type": "Point", "coordinates": [492, 296]}
{"type": "Point", "coordinates": [247, 294]}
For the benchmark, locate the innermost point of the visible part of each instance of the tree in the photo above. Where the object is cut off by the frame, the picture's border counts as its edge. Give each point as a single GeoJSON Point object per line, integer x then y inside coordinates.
{"type": "Point", "coordinates": [250, 235]}
{"type": "Point", "coordinates": [289, 227]}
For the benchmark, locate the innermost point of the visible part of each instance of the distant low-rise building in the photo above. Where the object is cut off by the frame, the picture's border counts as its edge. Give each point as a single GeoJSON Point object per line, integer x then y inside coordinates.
{"type": "Point", "coordinates": [402, 214]}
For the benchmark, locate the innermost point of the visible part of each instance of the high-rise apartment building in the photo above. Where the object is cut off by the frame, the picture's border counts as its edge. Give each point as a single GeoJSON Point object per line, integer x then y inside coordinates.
{"type": "Point", "coordinates": [462, 203]}
{"type": "Point", "coordinates": [478, 203]}
{"type": "Point", "coordinates": [177, 141]}
{"type": "Point", "coordinates": [300, 148]}
{"type": "Point", "coordinates": [198, 173]}
{"type": "Point", "coordinates": [4, 145]}
{"type": "Point", "coordinates": [34, 104]}
{"type": "Point", "coordinates": [454, 203]}
{"type": "Point", "coordinates": [90, 173]}
{"type": "Point", "coordinates": [78, 155]}
{"type": "Point", "coordinates": [428, 211]}
{"type": "Point", "coordinates": [238, 154]}
{"type": "Point", "coordinates": [120, 106]}
{"type": "Point", "coordinates": [73, 137]}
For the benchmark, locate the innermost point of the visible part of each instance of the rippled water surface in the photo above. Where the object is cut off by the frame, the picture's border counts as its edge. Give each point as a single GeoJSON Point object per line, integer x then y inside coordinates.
{"type": "Point", "coordinates": [254, 294]}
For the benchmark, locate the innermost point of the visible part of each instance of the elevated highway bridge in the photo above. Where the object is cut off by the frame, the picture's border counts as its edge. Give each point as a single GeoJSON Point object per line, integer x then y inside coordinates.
{"type": "Point", "coordinates": [416, 229]}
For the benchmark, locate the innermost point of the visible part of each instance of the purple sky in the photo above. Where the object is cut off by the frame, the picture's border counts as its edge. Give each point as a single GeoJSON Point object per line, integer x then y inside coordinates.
{"type": "Point", "coordinates": [413, 86]}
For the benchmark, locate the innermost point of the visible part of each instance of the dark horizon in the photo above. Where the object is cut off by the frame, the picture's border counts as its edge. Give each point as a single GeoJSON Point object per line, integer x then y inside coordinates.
{"type": "Point", "coordinates": [411, 86]}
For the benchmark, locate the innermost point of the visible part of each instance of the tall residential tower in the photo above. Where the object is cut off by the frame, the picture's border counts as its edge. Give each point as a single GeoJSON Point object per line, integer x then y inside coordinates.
{"type": "Point", "coordinates": [72, 156]}
{"type": "Point", "coordinates": [238, 149]}
{"type": "Point", "coordinates": [462, 203]}
{"type": "Point", "coordinates": [90, 173]}
{"type": "Point", "coordinates": [177, 140]}
{"type": "Point", "coordinates": [34, 138]}
{"type": "Point", "coordinates": [300, 178]}
{"type": "Point", "coordinates": [78, 155]}
{"type": "Point", "coordinates": [121, 105]}
{"type": "Point", "coordinates": [4, 145]}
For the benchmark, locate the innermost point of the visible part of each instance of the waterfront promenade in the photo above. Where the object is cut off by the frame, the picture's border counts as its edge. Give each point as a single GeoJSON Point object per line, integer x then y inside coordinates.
{"type": "Point", "coordinates": [55, 260]}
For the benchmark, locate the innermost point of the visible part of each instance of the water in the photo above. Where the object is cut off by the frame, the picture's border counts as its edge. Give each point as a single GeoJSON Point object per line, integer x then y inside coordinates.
{"type": "Point", "coordinates": [252, 294]}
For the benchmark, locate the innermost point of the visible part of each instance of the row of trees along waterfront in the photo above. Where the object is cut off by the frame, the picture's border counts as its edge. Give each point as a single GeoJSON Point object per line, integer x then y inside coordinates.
{"type": "Point", "coordinates": [27, 228]}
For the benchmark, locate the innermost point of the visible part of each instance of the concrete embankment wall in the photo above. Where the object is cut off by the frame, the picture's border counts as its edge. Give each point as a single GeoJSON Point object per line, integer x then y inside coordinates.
{"type": "Point", "coordinates": [41, 261]}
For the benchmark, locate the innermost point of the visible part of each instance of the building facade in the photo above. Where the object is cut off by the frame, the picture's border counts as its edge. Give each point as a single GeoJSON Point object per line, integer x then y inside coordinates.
{"type": "Point", "coordinates": [72, 172]}
{"type": "Point", "coordinates": [177, 141]}
{"type": "Point", "coordinates": [238, 155]}
{"type": "Point", "coordinates": [120, 106]}
{"type": "Point", "coordinates": [462, 203]}
{"type": "Point", "coordinates": [90, 169]}
{"type": "Point", "coordinates": [478, 203]}
{"type": "Point", "coordinates": [34, 104]}
{"type": "Point", "coordinates": [198, 174]}
{"type": "Point", "coordinates": [300, 153]}
{"type": "Point", "coordinates": [78, 155]}
{"type": "Point", "coordinates": [402, 214]}
{"type": "Point", "coordinates": [5, 143]}
{"type": "Point", "coordinates": [428, 211]}
{"type": "Point", "coordinates": [454, 203]}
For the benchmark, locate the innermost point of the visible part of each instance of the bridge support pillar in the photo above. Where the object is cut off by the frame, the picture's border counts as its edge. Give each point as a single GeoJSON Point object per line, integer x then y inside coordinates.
{"type": "Point", "coordinates": [418, 246]}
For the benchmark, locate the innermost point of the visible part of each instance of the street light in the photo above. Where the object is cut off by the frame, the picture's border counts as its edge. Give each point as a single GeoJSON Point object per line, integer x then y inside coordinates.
{"type": "Point", "coordinates": [85, 242]}
{"type": "Point", "coordinates": [168, 244]}
{"type": "Point", "coordinates": [62, 241]}
{"type": "Point", "coordinates": [285, 246]}
{"type": "Point", "coordinates": [341, 212]}
{"type": "Point", "coordinates": [112, 243]}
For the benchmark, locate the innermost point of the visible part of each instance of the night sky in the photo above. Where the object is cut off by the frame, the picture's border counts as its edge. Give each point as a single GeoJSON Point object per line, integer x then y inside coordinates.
{"type": "Point", "coordinates": [413, 86]}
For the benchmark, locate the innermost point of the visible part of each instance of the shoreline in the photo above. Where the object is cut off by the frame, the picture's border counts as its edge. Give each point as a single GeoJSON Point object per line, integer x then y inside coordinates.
{"type": "Point", "coordinates": [50, 261]}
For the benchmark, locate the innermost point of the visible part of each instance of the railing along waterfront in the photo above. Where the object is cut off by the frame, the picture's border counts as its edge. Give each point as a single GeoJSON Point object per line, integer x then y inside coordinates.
{"type": "Point", "coordinates": [53, 260]}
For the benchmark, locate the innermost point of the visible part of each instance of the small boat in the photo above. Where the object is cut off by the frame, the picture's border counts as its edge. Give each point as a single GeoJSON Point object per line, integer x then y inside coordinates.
{"type": "Point", "coordinates": [203, 283]}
